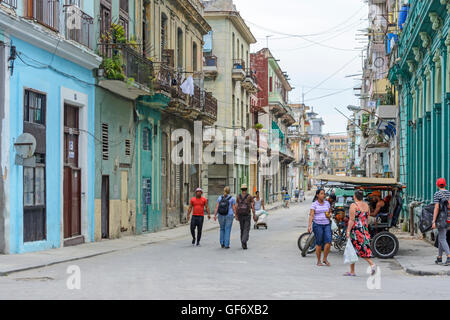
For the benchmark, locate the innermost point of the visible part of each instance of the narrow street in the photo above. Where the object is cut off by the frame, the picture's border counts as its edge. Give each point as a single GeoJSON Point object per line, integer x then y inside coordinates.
{"type": "Point", "coordinates": [272, 268]}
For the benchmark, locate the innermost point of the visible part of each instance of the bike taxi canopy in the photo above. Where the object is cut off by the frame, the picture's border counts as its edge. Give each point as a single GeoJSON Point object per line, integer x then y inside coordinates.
{"type": "Point", "coordinates": [360, 181]}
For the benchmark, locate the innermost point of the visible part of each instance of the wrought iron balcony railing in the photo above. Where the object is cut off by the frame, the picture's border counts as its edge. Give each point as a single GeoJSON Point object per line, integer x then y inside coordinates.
{"type": "Point", "coordinates": [79, 26]}
{"type": "Point", "coordinates": [210, 105]}
{"type": "Point", "coordinates": [210, 61]}
{"type": "Point", "coordinates": [45, 12]}
{"type": "Point", "coordinates": [134, 65]}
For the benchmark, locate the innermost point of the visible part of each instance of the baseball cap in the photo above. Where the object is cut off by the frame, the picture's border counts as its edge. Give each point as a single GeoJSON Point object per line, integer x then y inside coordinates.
{"type": "Point", "coordinates": [441, 183]}
{"type": "Point", "coordinates": [198, 190]}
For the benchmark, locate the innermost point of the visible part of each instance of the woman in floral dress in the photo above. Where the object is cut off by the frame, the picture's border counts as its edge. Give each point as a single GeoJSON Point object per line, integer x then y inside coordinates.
{"type": "Point", "coordinates": [358, 231]}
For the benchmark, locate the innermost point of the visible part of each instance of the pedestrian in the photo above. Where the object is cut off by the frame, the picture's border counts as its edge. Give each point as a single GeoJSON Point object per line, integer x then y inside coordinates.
{"type": "Point", "coordinates": [297, 194]}
{"type": "Point", "coordinates": [302, 195]}
{"type": "Point", "coordinates": [441, 195]}
{"type": "Point", "coordinates": [197, 205]}
{"type": "Point", "coordinates": [244, 208]}
{"type": "Point", "coordinates": [358, 231]}
{"type": "Point", "coordinates": [259, 203]}
{"type": "Point", "coordinates": [226, 210]}
{"type": "Point", "coordinates": [320, 224]}
{"type": "Point", "coordinates": [287, 197]}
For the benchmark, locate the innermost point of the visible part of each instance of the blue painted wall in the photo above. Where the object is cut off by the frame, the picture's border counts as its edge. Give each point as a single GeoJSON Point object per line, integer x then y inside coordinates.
{"type": "Point", "coordinates": [48, 81]}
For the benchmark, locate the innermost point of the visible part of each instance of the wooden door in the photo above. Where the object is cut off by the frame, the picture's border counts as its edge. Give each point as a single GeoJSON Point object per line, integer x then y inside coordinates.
{"type": "Point", "coordinates": [105, 207]}
{"type": "Point", "coordinates": [124, 212]}
{"type": "Point", "coordinates": [72, 173]}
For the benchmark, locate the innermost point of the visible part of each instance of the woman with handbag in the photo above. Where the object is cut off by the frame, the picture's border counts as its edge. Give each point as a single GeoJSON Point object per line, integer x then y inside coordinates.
{"type": "Point", "coordinates": [441, 223]}
{"type": "Point", "coordinates": [358, 231]}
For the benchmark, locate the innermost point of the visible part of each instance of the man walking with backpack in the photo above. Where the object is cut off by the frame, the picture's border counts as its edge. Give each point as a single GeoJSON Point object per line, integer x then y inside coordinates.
{"type": "Point", "coordinates": [441, 219]}
{"type": "Point", "coordinates": [226, 208]}
{"type": "Point", "coordinates": [244, 208]}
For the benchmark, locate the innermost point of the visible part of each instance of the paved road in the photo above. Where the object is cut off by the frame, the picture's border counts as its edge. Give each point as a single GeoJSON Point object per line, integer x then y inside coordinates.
{"type": "Point", "coordinates": [272, 268]}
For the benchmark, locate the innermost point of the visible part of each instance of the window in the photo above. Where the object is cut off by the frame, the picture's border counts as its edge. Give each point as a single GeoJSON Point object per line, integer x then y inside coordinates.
{"type": "Point", "coordinates": [180, 48]}
{"type": "Point", "coordinates": [163, 33]}
{"type": "Point", "coordinates": [34, 107]}
{"type": "Point", "coordinates": [194, 57]}
{"type": "Point", "coordinates": [34, 223]}
{"type": "Point", "coordinates": [105, 141]}
{"type": "Point", "coordinates": [124, 6]}
{"type": "Point", "coordinates": [147, 139]}
{"type": "Point", "coordinates": [270, 84]}
{"type": "Point", "coordinates": [127, 147]}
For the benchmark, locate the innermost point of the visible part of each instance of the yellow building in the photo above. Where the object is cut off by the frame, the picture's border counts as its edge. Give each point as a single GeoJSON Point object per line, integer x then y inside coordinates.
{"type": "Point", "coordinates": [338, 150]}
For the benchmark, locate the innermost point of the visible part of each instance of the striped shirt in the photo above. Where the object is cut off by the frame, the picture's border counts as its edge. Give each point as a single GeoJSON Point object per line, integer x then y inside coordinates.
{"type": "Point", "coordinates": [442, 194]}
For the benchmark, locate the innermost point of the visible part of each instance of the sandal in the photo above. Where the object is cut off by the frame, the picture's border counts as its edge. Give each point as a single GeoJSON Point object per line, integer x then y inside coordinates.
{"type": "Point", "coordinates": [319, 264]}
{"type": "Point", "coordinates": [373, 270]}
{"type": "Point", "coordinates": [348, 274]}
{"type": "Point", "coordinates": [327, 263]}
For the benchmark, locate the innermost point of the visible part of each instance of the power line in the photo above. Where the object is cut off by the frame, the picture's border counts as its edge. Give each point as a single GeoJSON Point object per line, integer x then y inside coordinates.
{"type": "Point", "coordinates": [340, 69]}
{"type": "Point", "coordinates": [328, 95]}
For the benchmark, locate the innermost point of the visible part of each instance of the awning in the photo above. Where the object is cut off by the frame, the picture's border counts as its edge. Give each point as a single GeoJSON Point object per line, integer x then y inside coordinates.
{"type": "Point", "coordinates": [359, 180]}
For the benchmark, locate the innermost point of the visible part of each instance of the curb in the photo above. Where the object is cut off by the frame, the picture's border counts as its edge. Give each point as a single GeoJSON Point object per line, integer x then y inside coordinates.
{"type": "Point", "coordinates": [425, 273]}
{"type": "Point", "coordinates": [43, 265]}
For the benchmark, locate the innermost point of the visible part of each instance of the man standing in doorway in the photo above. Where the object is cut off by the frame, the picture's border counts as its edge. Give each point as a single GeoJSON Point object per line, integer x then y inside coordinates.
{"type": "Point", "coordinates": [244, 208]}
{"type": "Point", "coordinates": [198, 204]}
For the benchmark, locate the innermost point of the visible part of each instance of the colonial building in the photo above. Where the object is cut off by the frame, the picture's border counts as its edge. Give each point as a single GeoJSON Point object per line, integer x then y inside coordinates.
{"type": "Point", "coordinates": [227, 75]}
{"type": "Point", "coordinates": [420, 70]}
{"type": "Point", "coordinates": [276, 120]}
{"type": "Point", "coordinates": [299, 140]}
{"type": "Point", "coordinates": [149, 48]}
{"type": "Point", "coordinates": [48, 129]}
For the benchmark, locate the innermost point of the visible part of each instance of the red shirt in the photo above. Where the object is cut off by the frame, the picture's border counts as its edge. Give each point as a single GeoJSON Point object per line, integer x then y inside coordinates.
{"type": "Point", "coordinates": [199, 206]}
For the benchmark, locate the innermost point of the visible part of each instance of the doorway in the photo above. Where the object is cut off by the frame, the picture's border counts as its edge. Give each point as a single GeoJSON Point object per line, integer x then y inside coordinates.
{"type": "Point", "coordinates": [105, 207]}
{"type": "Point", "coordinates": [72, 177]}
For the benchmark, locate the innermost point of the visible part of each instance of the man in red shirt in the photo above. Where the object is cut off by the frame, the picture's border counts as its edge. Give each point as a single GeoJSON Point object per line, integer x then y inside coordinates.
{"type": "Point", "coordinates": [198, 204]}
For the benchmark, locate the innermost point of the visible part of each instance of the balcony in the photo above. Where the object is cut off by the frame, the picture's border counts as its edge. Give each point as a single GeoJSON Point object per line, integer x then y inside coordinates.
{"type": "Point", "coordinates": [125, 71]}
{"type": "Point", "coordinates": [249, 82]}
{"type": "Point", "coordinates": [44, 12]}
{"type": "Point", "coordinates": [83, 26]}
{"type": "Point", "coordinates": [239, 73]}
{"type": "Point", "coordinates": [210, 67]}
{"type": "Point", "coordinates": [10, 3]}
{"type": "Point", "coordinates": [209, 114]}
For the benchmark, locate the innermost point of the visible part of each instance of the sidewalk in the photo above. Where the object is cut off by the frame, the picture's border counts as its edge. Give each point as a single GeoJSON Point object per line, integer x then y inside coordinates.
{"type": "Point", "coordinates": [22, 262]}
{"type": "Point", "coordinates": [417, 256]}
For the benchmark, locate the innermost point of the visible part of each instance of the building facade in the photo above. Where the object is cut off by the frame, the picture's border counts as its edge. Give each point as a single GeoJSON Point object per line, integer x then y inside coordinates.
{"type": "Point", "coordinates": [338, 154]}
{"type": "Point", "coordinates": [49, 111]}
{"type": "Point", "coordinates": [421, 73]}
{"type": "Point", "coordinates": [227, 76]}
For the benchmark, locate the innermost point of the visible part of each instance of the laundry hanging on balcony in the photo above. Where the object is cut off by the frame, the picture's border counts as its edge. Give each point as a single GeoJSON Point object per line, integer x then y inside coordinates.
{"type": "Point", "coordinates": [188, 86]}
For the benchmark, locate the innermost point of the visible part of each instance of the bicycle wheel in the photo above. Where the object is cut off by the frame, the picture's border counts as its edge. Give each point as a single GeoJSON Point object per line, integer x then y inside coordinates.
{"type": "Point", "coordinates": [309, 245]}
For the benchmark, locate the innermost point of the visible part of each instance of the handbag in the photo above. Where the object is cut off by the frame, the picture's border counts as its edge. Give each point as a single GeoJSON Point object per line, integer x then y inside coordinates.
{"type": "Point", "coordinates": [441, 221]}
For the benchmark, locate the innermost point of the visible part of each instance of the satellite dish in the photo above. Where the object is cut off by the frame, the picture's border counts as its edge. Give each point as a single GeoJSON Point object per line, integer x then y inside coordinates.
{"type": "Point", "coordinates": [25, 146]}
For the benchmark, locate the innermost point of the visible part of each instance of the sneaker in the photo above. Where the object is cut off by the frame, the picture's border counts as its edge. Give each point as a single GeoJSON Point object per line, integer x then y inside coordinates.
{"type": "Point", "coordinates": [227, 247]}
{"type": "Point", "coordinates": [447, 263]}
{"type": "Point", "coordinates": [244, 246]}
{"type": "Point", "coordinates": [223, 246]}
{"type": "Point", "coordinates": [438, 261]}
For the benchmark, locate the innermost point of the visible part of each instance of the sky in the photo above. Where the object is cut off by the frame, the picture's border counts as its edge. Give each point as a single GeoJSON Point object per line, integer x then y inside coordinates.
{"type": "Point", "coordinates": [315, 42]}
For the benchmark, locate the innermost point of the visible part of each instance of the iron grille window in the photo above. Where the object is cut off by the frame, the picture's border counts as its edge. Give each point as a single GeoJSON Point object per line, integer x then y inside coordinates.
{"type": "Point", "coordinates": [105, 141]}
{"type": "Point", "coordinates": [34, 107]}
{"type": "Point", "coordinates": [124, 5]}
{"type": "Point", "coordinates": [127, 147]}
{"type": "Point", "coordinates": [11, 3]}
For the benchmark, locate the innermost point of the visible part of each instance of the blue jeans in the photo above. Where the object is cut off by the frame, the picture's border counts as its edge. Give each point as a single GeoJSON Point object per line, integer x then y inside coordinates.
{"type": "Point", "coordinates": [226, 222]}
{"type": "Point", "coordinates": [322, 234]}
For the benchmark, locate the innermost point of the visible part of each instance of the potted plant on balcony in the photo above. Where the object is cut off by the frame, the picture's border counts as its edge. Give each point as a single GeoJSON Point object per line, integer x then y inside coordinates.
{"type": "Point", "coordinates": [258, 126]}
